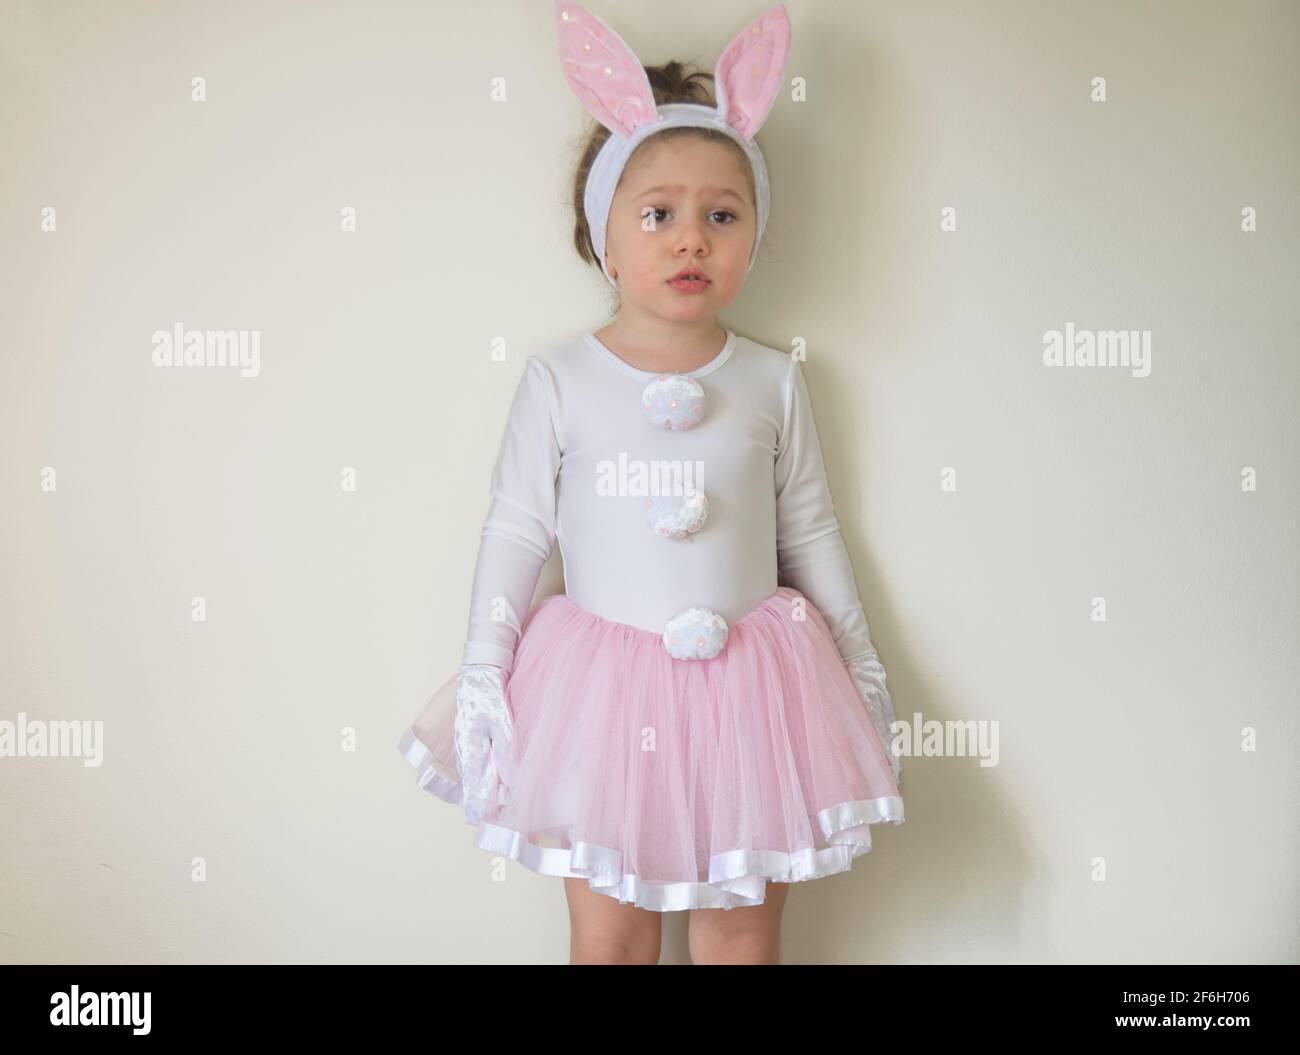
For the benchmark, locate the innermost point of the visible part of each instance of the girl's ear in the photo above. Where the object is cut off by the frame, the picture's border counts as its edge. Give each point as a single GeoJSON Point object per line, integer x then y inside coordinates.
{"type": "Point", "coordinates": [748, 74]}
{"type": "Point", "coordinates": [603, 71]}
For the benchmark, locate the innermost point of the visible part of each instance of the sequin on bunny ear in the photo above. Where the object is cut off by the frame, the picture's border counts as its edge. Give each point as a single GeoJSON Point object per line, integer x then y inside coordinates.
{"type": "Point", "coordinates": [695, 633]}
{"type": "Point", "coordinates": [673, 401]}
{"type": "Point", "coordinates": [676, 516]}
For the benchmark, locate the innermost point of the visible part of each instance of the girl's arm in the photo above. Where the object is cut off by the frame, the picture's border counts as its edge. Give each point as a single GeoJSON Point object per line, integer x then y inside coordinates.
{"type": "Point", "coordinates": [519, 531]}
{"type": "Point", "coordinates": [812, 557]}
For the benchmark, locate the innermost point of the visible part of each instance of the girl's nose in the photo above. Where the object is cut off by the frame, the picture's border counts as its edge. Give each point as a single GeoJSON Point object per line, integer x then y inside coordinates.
{"type": "Point", "coordinates": [692, 238]}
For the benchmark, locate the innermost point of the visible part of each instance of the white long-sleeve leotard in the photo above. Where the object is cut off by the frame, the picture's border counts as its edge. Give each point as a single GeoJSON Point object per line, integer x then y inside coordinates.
{"type": "Point", "coordinates": [577, 463]}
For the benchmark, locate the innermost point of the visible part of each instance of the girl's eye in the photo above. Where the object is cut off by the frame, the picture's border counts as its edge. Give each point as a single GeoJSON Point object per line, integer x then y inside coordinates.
{"type": "Point", "coordinates": [652, 212]}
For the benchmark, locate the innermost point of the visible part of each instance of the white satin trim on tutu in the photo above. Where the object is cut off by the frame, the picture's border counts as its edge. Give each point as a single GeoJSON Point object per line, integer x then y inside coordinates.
{"type": "Point", "coordinates": [736, 879]}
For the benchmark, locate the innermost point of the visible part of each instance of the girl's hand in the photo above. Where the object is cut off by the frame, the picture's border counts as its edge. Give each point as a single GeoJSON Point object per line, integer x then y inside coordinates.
{"type": "Point", "coordinates": [482, 735]}
{"type": "Point", "coordinates": [869, 679]}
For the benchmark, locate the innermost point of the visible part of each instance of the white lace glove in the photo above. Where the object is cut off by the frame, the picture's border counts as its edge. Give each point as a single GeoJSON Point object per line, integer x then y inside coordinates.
{"type": "Point", "coordinates": [482, 729]}
{"type": "Point", "coordinates": [869, 678]}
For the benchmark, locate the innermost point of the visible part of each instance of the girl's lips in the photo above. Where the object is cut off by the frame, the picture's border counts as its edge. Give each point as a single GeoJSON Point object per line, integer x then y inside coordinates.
{"type": "Point", "coordinates": [689, 285]}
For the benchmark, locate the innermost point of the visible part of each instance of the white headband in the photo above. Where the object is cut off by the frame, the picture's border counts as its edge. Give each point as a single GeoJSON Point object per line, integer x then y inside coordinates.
{"type": "Point", "coordinates": [612, 84]}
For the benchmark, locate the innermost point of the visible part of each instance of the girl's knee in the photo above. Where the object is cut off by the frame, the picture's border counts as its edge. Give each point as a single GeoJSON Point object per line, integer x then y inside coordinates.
{"type": "Point", "coordinates": [602, 949]}
{"type": "Point", "coordinates": [744, 945]}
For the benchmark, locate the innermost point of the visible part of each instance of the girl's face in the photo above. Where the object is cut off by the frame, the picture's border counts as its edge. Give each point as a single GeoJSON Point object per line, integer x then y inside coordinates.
{"type": "Point", "coordinates": [682, 203]}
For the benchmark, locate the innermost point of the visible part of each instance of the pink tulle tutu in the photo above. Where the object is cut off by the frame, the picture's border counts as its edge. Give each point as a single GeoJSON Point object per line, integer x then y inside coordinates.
{"type": "Point", "coordinates": [672, 783]}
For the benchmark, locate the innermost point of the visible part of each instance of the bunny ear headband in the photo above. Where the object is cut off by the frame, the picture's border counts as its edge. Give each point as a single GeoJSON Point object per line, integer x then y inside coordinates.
{"type": "Point", "coordinates": [612, 84]}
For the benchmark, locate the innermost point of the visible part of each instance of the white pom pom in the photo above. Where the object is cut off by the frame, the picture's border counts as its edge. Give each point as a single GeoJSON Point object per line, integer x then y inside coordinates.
{"type": "Point", "coordinates": [673, 401]}
{"type": "Point", "coordinates": [676, 516]}
{"type": "Point", "coordinates": [696, 633]}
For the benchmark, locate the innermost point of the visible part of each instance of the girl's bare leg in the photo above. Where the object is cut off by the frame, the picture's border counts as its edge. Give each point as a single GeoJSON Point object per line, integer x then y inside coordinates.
{"type": "Point", "coordinates": [604, 930]}
{"type": "Point", "coordinates": [739, 935]}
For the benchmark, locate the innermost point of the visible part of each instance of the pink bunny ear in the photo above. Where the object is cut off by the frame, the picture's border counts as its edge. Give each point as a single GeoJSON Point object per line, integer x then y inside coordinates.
{"type": "Point", "coordinates": [603, 71]}
{"type": "Point", "coordinates": [748, 74]}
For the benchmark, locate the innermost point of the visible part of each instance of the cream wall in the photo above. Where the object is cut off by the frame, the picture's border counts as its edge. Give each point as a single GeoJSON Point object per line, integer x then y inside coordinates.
{"type": "Point", "coordinates": [1120, 742]}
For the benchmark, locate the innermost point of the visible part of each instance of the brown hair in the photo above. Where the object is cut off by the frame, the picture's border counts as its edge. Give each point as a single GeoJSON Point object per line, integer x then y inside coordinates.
{"type": "Point", "coordinates": [670, 83]}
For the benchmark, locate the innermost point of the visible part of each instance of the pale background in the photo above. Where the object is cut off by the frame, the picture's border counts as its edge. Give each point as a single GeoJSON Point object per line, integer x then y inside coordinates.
{"type": "Point", "coordinates": [330, 610]}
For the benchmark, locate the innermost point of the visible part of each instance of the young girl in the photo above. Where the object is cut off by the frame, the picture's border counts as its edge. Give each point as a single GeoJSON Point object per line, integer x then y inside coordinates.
{"type": "Point", "coordinates": [700, 718]}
